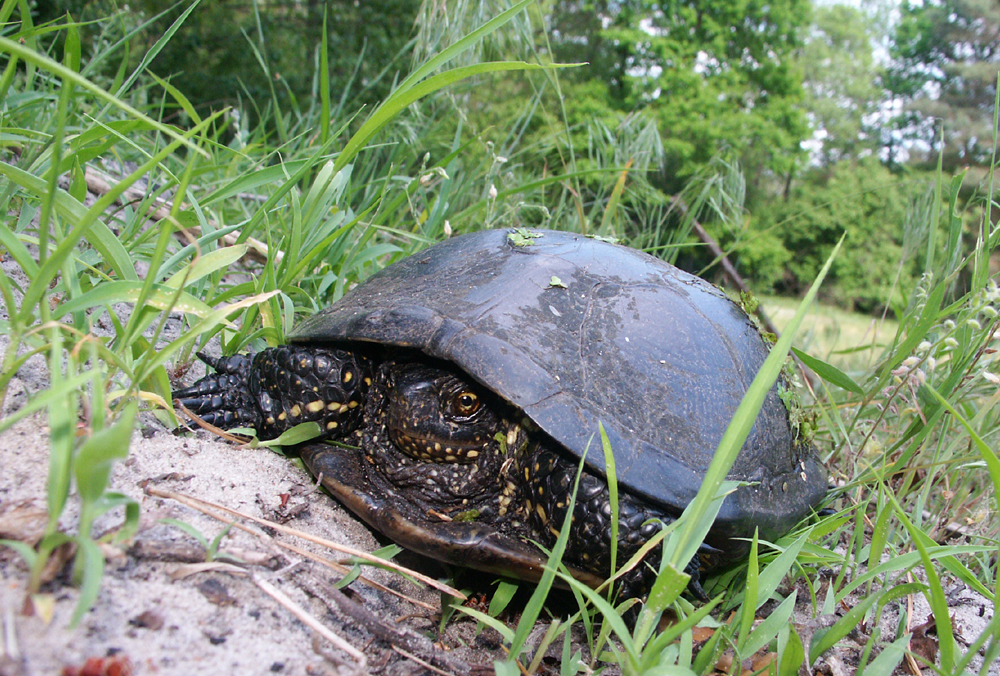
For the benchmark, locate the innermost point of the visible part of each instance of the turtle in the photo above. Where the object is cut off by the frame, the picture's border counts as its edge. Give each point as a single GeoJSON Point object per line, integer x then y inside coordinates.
{"type": "Point", "coordinates": [465, 385]}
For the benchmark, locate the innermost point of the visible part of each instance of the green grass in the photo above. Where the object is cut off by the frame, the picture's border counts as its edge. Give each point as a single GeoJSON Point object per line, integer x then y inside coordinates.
{"type": "Point", "coordinates": [850, 341]}
{"type": "Point", "coordinates": [908, 425]}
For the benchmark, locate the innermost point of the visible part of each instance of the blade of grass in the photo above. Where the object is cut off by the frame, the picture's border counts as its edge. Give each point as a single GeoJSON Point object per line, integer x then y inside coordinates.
{"type": "Point", "coordinates": [745, 416]}
{"type": "Point", "coordinates": [398, 102]}
{"type": "Point", "coordinates": [829, 373]}
{"type": "Point", "coordinates": [69, 76]}
{"type": "Point", "coordinates": [450, 52]}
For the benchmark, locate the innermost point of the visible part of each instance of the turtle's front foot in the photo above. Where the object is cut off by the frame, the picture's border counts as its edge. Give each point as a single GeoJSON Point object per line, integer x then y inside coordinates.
{"type": "Point", "coordinates": [223, 398]}
{"type": "Point", "coordinates": [280, 387]}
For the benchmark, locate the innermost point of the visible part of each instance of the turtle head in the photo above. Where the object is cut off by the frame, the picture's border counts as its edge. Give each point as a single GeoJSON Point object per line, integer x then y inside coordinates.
{"type": "Point", "coordinates": [434, 414]}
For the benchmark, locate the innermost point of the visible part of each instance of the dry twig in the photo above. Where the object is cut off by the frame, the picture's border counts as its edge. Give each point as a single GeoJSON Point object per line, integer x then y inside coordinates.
{"type": "Point", "coordinates": [100, 183]}
{"type": "Point", "coordinates": [205, 506]}
{"type": "Point", "coordinates": [412, 646]}
{"type": "Point", "coordinates": [312, 622]}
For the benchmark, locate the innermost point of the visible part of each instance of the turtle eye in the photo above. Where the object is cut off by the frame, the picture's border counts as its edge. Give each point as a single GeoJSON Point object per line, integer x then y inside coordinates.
{"type": "Point", "coordinates": [465, 403]}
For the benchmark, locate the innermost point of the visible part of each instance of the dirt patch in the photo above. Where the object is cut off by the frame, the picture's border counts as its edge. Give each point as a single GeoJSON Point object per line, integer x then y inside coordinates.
{"type": "Point", "coordinates": [216, 621]}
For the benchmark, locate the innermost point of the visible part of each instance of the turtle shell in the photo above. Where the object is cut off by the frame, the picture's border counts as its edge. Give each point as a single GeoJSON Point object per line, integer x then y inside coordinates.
{"type": "Point", "coordinates": [577, 332]}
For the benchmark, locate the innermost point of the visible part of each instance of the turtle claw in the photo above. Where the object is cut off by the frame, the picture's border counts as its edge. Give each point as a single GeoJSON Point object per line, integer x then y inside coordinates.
{"type": "Point", "coordinates": [223, 398]}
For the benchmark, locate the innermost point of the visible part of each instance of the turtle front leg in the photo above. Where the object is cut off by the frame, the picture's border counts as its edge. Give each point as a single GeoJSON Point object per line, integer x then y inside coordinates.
{"type": "Point", "coordinates": [281, 387]}
{"type": "Point", "coordinates": [222, 398]}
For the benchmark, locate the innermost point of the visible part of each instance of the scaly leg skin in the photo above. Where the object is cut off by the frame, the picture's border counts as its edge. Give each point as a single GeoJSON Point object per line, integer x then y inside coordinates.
{"type": "Point", "coordinates": [551, 486]}
{"type": "Point", "coordinates": [281, 387]}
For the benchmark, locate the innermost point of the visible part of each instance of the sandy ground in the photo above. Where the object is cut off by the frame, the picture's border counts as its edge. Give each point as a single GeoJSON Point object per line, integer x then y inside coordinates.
{"type": "Point", "coordinates": [213, 620]}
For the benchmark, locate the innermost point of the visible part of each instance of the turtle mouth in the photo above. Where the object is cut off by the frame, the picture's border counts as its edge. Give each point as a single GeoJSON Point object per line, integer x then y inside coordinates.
{"type": "Point", "coordinates": [432, 449]}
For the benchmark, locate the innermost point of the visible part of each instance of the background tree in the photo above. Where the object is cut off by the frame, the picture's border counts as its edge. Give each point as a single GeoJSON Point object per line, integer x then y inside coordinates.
{"type": "Point", "coordinates": [715, 75]}
{"type": "Point", "coordinates": [666, 89]}
{"type": "Point", "coordinates": [244, 54]}
{"type": "Point", "coordinates": [788, 243]}
{"type": "Point", "coordinates": [946, 57]}
{"type": "Point", "coordinates": [843, 92]}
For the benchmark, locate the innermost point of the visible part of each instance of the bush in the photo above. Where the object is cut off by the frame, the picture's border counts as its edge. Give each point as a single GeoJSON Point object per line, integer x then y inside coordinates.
{"type": "Point", "coordinates": [788, 243]}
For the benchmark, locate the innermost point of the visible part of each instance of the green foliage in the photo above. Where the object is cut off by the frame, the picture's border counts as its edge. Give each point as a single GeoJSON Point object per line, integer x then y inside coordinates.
{"type": "Point", "coordinates": [787, 243]}
{"type": "Point", "coordinates": [841, 81]}
{"type": "Point", "coordinates": [713, 75]}
{"type": "Point", "coordinates": [245, 54]}
{"type": "Point", "coordinates": [907, 439]}
{"type": "Point", "coordinates": [81, 259]}
{"type": "Point", "coordinates": [946, 55]}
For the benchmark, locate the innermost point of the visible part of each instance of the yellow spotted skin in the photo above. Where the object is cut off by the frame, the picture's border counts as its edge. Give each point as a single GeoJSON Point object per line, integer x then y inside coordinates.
{"type": "Point", "coordinates": [444, 445]}
{"type": "Point", "coordinates": [431, 434]}
{"type": "Point", "coordinates": [281, 387]}
{"type": "Point", "coordinates": [417, 440]}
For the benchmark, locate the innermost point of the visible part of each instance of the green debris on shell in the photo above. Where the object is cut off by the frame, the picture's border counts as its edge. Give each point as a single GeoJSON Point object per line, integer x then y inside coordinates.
{"type": "Point", "coordinates": [749, 302]}
{"type": "Point", "coordinates": [801, 419]}
{"type": "Point", "coordinates": [523, 236]}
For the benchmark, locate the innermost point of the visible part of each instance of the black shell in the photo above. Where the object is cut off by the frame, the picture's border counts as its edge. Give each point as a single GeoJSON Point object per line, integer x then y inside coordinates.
{"type": "Point", "coordinates": [576, 332]}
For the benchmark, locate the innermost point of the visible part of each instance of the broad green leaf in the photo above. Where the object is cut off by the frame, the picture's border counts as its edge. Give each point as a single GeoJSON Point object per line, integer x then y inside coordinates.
{"type": "Point", "coordinates": [160, 298]}
{"type": "Point", "coordinates": [772, 576]}
{"type": "Point", "coordinates": [502, 597]}
{"type": "Point", "coordinates": [206, 264]}
{"type": "Point", "coordinates": [89, 566]}
{"type": "Point", "coordinates": [297, 435]}
{"type": "Point", "coordinates": [611, 473]}
{"type": "Point", "coordinates": [62, 400]}
{"type": "Point", "coordinates": [669, 585]}
{"type": "Point", "coordinates": [93, 462]}
{"type": "Point", "coordinates": [829, 373]}
{"type": "Point", "coordinates": [767, 630]}
{"type": "Point", "coordinates": [505, 632]}
{"type": "Point", "coordinates": [751, 598]}
{"type": "Point", "coordinates": [792, 658]}
{"type": "Point", "coordinates": [23, 549]}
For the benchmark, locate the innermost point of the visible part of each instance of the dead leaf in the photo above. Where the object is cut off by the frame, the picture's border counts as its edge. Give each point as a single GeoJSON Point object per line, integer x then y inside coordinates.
{"type": "Point", "coordinates": [60, 557]}
{"type": "Point", "coordinates": [761, 661]}
{"type": "Point", "coordinates": [924, 642]}
{"type": "Point", "coordinates": [25, 522]}
{"type": "Point", "coordinates": [216, 592]}
{"type": "Point", "coordinates": [189, 569]}
{"type": "Point", "coordinates": [702, 634]}
{"type": "Point", "coordinates": [43, 606]}
{"type": "Point", "coordinates": [148, 619]}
